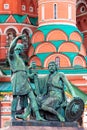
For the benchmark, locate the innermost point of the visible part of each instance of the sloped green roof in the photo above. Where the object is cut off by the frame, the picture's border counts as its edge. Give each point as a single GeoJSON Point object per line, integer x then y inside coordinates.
{"type": "Point", "coordinates": [33, 20]}
{"type": "Point", "coordinates": [68, 29]}
{"type": "Point", "coordinates": [19, 18]}
{"type": "Point", "coordinates": [5, 87]}
{"type": "Point", "coordinates": [3, 17]}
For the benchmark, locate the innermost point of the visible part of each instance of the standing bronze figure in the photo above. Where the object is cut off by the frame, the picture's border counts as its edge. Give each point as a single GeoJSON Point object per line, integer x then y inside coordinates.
{"type": "Point", "coordinates": [19, 79]}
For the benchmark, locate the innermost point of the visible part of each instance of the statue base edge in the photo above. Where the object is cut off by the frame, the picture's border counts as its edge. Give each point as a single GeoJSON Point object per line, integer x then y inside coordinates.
{"type": "Point", "coordinates": [43, 123]}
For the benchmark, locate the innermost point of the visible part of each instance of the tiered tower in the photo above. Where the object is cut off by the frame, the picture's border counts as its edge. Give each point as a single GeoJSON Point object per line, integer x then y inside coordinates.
{"type": "Point", "coordinates": [57, 37]}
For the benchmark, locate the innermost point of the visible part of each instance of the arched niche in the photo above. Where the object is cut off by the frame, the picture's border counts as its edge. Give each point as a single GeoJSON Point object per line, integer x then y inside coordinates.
{"type": "Point", "coordinates": [10, 35]}
{"type": "Point", "coordinates": [79, 60]}
{"type": "Point", "coordinates": [45, 47]}
{"type": "Point", "coordinates": [26, 41]}
{"type": "Point", "coordinates": [68, 47]}
{"type": "Point", "coordinates": [64, 60]}
{"type": "Point", "coordinates": [56, 35]}
{"type": "Point", "coordinates": [35, 59]}
{"type": "Point", "coordinates": [82, 50]}
{"type": "Point", "coordinates": [38, 36]}
{"type": "Point", "coordinates": [76, 37]}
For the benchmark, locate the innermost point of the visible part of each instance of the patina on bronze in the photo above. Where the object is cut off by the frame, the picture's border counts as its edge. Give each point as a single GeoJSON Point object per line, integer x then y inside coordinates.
{"type": "Point", "coordinates": [19, 79]}
{"type": "Point", "coordinates": [51, 99]}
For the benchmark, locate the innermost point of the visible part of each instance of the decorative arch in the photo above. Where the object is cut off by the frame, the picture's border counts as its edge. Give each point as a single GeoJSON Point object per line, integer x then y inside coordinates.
{"type": "Point", "coordinates": [79, 60]}
{"type": "Point", "coordinates": [38, 36]}
{"type": "Point", "coordinates": [56, 35]}
{"type": "Point", "coordinates": [29, 31]}
{"type": "Point", "coordinates": [36, 59]}
{"type": "Point", "coordinates": [76, 37]}
{"type": "Point", "coordinates": [10, 35]}
{"type": "Point", "coordinates": [45, 47]}
{"type": "Point", "coordinates": [81, 2]}
{"type": "Point", "coordinates": [30, 51]}
{"type": "Point", "coordinates": [82, 50]}
{"type": "Point", "coordinates": [26, 42]}
{"type": "Point", "coordinates": [68, 47]}
{"type": "Point", "coordinates": [11, 27]}
{"type": "Point", "coordinates": [64, 60]}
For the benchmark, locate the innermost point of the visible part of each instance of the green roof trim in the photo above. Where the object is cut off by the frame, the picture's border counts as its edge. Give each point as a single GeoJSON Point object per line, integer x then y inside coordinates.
{"type": "Point", "coordinates": [67, 71]}
{"type": "Point", "coordinates": [43, 56]}
{"type": "Point", "coordinates": [34, 20]}
{"type": "Point", "coordinates": [19, 18]}
{"type": "Point", "coordinates": [5, 87]}
{"type": "Point", "coordinates": [78, 44]}
{"type": "Point", "coordinates": [68, 29]}
{"type": "Point", "coordinates": [70, 55]}
{"type": "Point", "coordinates": [3, 17]}
{"type": "Point", "coordinates": [36, 44]}
{"type": "Point", "coordinates": [6, 71]}
{"type": "Point", "coordinates": [57, 43]}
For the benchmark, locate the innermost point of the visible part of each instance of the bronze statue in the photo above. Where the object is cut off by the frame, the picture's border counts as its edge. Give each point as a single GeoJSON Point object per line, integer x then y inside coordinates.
{"type": "Point", "coordinates": [19, 78]}
{"type": "Point", "coordinates": [55, 96]}
{"type": "Point", "coordinates": [33, 77]}
{"type": "Point", "coordinates": [51, 97]}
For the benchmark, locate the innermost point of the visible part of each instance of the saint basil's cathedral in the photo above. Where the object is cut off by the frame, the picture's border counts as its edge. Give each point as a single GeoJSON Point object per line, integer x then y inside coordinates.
{"type": "Point", "coordinates": [59, 35]}
{"type": "Point", "coordinates": [56, 31]}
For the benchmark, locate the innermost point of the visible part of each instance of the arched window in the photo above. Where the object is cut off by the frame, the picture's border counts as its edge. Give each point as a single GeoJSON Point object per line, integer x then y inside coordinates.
{"type": "Point", "coordinates": [11, 34]}
{"type": "Point", "coordinates": [57, 61]}
{"type": "Point", "coordinates": [26, 41]}
{"type": "Point", "coordinates": [6, 4]}
{"type": "Point", "coordinates": [69, 12]}
{"type": "Point", "coordinates": [23, 3]}
{"type": "Point", "coordinates": [55, 11]}
{"type": "Point", "coordinates": [43, 12]}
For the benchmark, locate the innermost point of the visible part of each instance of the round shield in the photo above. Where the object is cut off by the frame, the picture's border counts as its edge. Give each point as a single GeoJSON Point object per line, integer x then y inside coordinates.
{"type": "Point", "coordinates": [74, 109]}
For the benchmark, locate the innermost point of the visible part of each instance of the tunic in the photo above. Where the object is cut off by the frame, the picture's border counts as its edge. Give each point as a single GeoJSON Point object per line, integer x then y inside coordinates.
{"type": "Point", "coordinates": [55, 91]}
{"type": "Point", "coordinates": [19, 78]}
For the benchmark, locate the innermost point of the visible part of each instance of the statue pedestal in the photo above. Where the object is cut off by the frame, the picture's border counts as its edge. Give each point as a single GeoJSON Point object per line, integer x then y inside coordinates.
{"type": "Point", "coordinates": [43, 125]}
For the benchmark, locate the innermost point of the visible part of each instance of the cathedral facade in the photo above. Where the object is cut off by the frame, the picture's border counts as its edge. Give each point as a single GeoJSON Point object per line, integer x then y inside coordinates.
{"type": "Point", "coordinates": [52, 27]}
